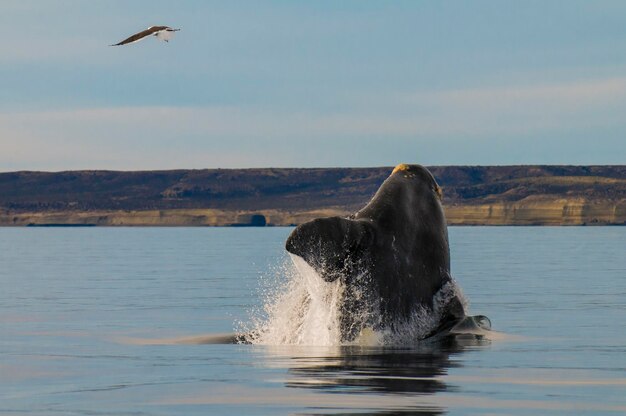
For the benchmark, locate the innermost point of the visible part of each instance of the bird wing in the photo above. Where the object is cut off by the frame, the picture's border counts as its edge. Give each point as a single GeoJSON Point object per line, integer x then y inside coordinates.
{"type": "Point", "coordinates": [139, 36]}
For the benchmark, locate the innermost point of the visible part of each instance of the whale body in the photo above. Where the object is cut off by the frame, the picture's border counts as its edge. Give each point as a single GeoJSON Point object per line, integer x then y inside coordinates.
{"type": "Point", "coordinates": [392, 256]}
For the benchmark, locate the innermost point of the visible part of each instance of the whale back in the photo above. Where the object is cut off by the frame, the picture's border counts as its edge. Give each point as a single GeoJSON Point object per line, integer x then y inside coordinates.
{"type": "Point", "coordinates": [411, 240]}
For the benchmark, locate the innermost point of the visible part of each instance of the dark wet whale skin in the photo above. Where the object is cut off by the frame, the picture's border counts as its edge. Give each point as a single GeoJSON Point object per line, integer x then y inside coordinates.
{"type": "Point", "coordinates": [399, 240]}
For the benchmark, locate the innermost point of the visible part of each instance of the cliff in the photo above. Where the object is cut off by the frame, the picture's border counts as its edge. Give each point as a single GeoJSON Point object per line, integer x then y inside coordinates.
{"type": "Point", "coordinates": [473, 195]}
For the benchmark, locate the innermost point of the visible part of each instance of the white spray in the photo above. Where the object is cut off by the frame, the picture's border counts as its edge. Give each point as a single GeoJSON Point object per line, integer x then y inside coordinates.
{"type": "Point", "coordinates": [306, 310]}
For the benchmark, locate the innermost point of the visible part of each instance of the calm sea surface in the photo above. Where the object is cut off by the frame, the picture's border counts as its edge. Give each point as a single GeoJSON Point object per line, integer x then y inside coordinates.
{"type": "Point", "coordinates": [102, 321]}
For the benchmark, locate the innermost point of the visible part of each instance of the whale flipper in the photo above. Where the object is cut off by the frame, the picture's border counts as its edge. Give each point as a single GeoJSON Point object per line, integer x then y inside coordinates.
{"type": "Point", "coordinates": [332, 246]}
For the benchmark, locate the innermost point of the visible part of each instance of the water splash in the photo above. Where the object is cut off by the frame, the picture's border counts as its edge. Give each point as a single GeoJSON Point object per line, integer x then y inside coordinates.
{"type": "Point", "coordinates": [306, 310]}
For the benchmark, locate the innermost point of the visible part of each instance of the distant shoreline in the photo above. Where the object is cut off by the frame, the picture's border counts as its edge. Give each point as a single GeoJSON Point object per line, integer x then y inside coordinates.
{"type": "Point", "coordinates": [548, 215]}
{"type": "Point", "coordinates": [472, 195]}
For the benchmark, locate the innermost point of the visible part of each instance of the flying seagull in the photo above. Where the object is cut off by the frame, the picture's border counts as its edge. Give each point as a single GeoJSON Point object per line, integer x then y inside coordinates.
{"type": "Point", "coordinates": [162, 32]}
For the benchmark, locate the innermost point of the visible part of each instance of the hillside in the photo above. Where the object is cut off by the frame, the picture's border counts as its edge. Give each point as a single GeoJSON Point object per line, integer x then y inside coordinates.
{"type": "Point", "coordinates": [472, 195]}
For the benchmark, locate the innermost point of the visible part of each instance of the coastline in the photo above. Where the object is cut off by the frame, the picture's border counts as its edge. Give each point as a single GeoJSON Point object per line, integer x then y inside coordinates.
{"type": "Point", "coordinates": [472, 195]}
{"type": "Point", "coordinates": [560, 212]}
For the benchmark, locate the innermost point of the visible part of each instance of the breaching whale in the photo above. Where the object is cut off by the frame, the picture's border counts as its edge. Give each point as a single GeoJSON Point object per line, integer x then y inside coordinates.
{"type": "Point", "coordinates": [392, 255]}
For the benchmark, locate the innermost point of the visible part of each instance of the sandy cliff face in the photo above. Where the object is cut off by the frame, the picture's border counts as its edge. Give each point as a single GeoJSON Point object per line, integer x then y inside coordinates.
{"type": "Point", "coordinates": [174, 217]}
{"type": "Point", "coordinates": [540, 211]}
{"type": "Point", "coordinates": [530, 211]}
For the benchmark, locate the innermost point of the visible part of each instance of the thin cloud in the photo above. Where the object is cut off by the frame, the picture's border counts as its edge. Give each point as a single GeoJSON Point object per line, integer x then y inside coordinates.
{"type": "Point", "coordinates": [455, 117]}
{"type": "Point", "coordinates": [565, 96]}
{"type": "Point", "coordinates": [449, 113]}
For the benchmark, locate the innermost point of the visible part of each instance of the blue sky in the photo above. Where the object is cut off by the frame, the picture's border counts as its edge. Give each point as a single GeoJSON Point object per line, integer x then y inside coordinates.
{"type": "Point", "coordinates": [311, 83]}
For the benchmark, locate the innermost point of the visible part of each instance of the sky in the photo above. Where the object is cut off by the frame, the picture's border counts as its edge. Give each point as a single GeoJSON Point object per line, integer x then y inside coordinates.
{"type": "Point", "coordinates": [311, 84]}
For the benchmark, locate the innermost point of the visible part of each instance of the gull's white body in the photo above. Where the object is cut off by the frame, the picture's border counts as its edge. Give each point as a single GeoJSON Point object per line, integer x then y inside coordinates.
{"type": "Point", "coordinates": [165, 35]}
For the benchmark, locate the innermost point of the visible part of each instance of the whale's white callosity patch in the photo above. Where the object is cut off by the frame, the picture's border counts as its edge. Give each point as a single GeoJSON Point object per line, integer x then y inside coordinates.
{"type": "Point", "coordinates": [306, 310]}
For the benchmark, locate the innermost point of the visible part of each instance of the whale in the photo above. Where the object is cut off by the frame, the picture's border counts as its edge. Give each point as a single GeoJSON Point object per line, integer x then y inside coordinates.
{"type": "Point", "coordinates": [392, 257]}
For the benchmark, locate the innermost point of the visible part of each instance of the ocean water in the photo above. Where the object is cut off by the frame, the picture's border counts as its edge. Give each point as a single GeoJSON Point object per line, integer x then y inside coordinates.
{"type": "Point", "coordinates": [119, 321]}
